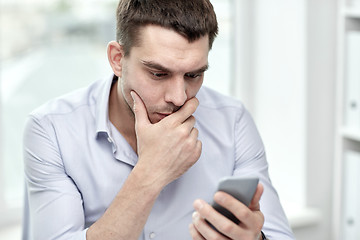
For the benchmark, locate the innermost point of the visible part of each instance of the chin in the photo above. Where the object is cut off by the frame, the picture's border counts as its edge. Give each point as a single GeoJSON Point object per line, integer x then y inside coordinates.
{"type": "Point", "coordinates": [155, 119]}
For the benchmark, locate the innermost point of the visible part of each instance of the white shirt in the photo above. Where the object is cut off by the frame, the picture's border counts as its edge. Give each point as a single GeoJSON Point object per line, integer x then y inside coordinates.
{"type": "Point", "coordinates": [76, 162]}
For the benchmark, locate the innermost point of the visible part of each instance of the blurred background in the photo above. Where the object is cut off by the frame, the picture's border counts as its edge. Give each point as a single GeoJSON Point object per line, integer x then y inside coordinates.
{"type": "Point", "coordinates": [285, 59]}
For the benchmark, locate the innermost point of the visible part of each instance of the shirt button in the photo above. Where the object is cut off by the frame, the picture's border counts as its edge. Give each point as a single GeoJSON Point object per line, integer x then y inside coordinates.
{"type": "Point", "coordinates": [109, 140]}
{"type": "Point", "coordinates": [152, 235]}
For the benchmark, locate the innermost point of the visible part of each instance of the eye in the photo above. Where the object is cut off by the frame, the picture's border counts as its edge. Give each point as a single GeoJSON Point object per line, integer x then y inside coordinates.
{"type": "Point", "coordinates": [193, 75]}
{"type": "Point", "coordinates": [158, 74]}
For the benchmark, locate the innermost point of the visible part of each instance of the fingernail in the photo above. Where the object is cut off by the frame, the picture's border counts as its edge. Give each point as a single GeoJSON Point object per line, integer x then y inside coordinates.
{"type": "Point", "coordinates": [195, 215]}
{"type": "Point", "coordinates": [133, 98]}
{"type": "Point", "coordinates": [198, 205]}
{"type": "Point", "coordinates": [218, 197]}
{"type": "Point", "coordinates": [132, 95]}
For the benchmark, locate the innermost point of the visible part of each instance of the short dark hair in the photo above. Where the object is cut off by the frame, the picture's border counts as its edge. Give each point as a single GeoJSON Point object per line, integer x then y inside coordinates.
{"type": "Point", "coordinates": [192, 19]}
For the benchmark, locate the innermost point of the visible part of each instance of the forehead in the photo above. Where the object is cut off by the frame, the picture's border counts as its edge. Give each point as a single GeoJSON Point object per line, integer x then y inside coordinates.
{"type": "Point", "coordinates": [169, 48]}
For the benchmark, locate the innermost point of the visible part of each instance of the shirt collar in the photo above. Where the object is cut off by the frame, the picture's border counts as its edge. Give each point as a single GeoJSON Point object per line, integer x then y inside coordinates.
{"type": "Point", "coordinates": [102, 106]}
{"type": "Point", "coordinates": [106, 129]}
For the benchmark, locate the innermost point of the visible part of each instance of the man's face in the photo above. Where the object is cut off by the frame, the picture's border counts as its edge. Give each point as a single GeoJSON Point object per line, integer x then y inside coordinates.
{"type": "Point", "coordinates": [165, 70]}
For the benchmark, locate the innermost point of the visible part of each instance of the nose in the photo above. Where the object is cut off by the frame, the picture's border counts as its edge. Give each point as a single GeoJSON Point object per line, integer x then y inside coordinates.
{"type": "Point", "coordinates": [176, 92]}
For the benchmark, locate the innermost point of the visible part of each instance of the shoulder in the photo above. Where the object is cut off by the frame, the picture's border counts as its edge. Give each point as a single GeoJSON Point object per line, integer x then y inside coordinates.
{"type": "Point", "coordinates": [223, 114]}
{"type": "Point", "coordinates": [68, 103]}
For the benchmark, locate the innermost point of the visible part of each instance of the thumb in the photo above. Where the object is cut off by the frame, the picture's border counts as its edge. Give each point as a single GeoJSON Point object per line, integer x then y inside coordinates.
{"type": "Point", "coordinates": [140, 112]}
{"type": "Point", "coordinates": [254, 205]}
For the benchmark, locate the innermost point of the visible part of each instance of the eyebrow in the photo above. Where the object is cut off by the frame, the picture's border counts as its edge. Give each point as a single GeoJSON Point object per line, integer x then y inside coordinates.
{"type": "Point", "coordinates": [161, 68]}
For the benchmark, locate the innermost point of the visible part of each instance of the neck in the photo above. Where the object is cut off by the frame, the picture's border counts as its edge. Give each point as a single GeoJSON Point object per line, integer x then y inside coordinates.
{"type": "Point", "coordinates": [121, 116]}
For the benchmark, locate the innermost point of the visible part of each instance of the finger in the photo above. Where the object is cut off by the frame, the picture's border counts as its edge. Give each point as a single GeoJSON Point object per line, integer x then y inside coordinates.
{"type": "Point", "coordinates": [204, 228]}
{"type": "Point", "coordinates": [194, 233]}
{"type": "Point", "coordinates": [219, 221]}
{"type": "Point", "coordinates": [194, 133]}
{"type": "Point", "coordinates": [189, 123]}
{"type": "Point", "coordinates": [195, 142]}
{"type": "Point", "coordinates": [198, 149]}
{"type": "Point", "coordinates": [254, 205]}
{"type": "Point", "coordinates": [141, 116]}
{"type": "Point", "coordinates": [185, 111]}
{"type": "Point", "coordinates": [247, 217]}
{"type": "Point", "coordinates": [237, 208]}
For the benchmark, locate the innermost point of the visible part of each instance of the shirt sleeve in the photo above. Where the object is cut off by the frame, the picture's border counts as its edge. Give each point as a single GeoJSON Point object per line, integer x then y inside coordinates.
{"type": "Point", "coordinates": [55, 206]}
{"type": "Point", "coordinates": [251, 161]}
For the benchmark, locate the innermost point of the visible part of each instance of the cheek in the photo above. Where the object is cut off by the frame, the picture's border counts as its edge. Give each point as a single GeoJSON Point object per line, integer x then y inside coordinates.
{"type": "Point", "coordinates": [125, 90]}
{"type": "Point", "coordinates": [148, 93]}
{"type": "Point", "coordinates": [150, 98]}
{"type": "Point", "coordinates": [127, 84]}
{"type": "Point", "coordinates": [193, 88]}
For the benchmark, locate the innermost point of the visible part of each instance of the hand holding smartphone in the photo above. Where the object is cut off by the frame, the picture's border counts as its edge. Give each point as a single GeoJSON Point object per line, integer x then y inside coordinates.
{"type": "Point", "coordinates": [241, 188]}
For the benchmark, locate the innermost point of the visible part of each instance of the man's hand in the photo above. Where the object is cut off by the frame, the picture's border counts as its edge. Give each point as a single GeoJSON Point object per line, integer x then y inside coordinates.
{"type": "Point", "coordinates": [251, 218]}
{"type": "Point", "coordinates": [166, 149]}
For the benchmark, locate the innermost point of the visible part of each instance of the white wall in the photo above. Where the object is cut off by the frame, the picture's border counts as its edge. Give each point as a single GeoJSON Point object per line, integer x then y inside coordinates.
{"type": "Point", "coordinates": [287, 82]}
{"type": "Point", "coordinates": [321, 76]}
{"type": "Point", "coordinates": [279, 92]}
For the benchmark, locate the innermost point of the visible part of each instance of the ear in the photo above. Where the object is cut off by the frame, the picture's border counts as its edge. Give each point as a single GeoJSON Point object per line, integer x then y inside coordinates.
{"type": "Point", "coordinates": [115, 54]}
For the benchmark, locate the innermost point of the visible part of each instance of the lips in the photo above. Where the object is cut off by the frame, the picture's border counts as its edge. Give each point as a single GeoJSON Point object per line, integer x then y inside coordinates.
{"type": "Point", "coordinates": [163, 115]}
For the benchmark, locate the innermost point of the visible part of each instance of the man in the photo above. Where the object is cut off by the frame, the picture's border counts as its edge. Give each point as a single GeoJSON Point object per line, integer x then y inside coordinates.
{"type": "Point", "coordinates": [139, 155]}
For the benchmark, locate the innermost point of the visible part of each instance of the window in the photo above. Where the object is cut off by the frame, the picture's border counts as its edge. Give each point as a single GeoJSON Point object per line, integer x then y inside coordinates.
{"type": "Point", "coordinates": [52, 48]}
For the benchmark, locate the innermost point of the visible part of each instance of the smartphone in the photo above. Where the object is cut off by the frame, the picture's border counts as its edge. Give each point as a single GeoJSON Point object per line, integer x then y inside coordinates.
{"type": "Point", "coordinates": [241, 188]}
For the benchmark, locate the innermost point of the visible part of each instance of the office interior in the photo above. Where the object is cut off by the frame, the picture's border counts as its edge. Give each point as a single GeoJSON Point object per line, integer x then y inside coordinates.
{"type": "Point", "coordinates": [295, 64]}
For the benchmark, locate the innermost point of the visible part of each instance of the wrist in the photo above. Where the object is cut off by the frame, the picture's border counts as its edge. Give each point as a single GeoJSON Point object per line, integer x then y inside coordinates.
{"type": "Point", "coordinates": [147, 179]}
